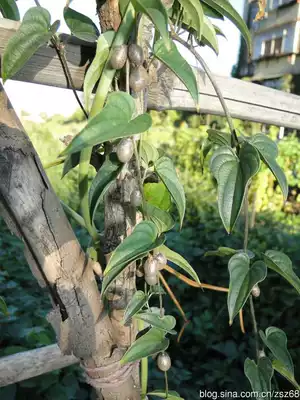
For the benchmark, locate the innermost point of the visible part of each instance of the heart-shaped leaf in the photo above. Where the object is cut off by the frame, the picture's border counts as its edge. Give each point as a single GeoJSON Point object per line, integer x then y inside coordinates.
{"type": "Point", "coordinates": [70, 162]}
{"type": "Point", "coordinates": [276, 341]}
{"type": "Point", "coordinates": [94, 72]}
{"type": "Point", "coordinates": [9, 10]}
{"type": "Point", "coordinates": [233, 175]}
{"type": "Point", "coordinates": [163, 395]}
{"type": "Point", "coordinates": [259, 375]}
{"type": "Point", "coordinates": [108, 172]}
{"type": "Point", "coordinates": [158, 14]}
{"type": "Point", "coordinates": [281, 263]}
{"type": "Point", "coordinates": [162, 219]}
{"type": "Point", "coordinates": [80, 25]}
{"type": "Point", "coordinates": [158, 195]}
{"type": "Point", "coordinates": [242, 279]}
{"type": "Point", "coordinates": [165, 169]}
{"type": "Point", "coordinates": [178, 260]}
{"type": "Point", "coordinates": [175, 61]}
{"type": "Point", "coordinates": [193, 15]}
{"type": "Point", "coordinates": [224, 8]}
{"type": "Point", "coordinates": [151, 343]}
{"type": "Point", "coordinates": [282, 370]}
{"type": "Point", "coordinates": [136, 303]}
{"type": "Point", "coordinates": [112, 122]}
{"type": "Point", "coordinates": [34, 31]}
{"type": "Point", "coordinates": [268, 151]}
{"type": "Point", "coordinates": [221, 252]}
{"type": "Point", "coordinates": [143, 239]}
{"type": "Point", "coordinates": [165, 323]}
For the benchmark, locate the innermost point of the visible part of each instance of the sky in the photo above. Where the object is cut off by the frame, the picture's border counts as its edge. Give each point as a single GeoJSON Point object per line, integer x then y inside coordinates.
{"type": "Point", "coordinates": [36, 99]}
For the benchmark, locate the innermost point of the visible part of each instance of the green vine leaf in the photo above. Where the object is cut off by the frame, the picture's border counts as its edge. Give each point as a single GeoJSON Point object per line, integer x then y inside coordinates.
{"type": "Point", "coordinates": [149, 154]}
{"type": "Point", "coordinates": [242, 279]}
{"type": "Point", "coordinates": [221, 252]}
{"type": "Point", "coordinates": [179, 260]}
{"type": "Point", "coordinates": [137, 302]}
{"type": "Point", "coordinates": [112, 122]}
{"type": "Point", "coordinates": [162, 219]}
{"type": "Point", "coordinates": [34, 32]}
{"type": "Point", "coordinates": [158, 14]}
{"type": "Point", "coordinates": [225, 8]}
{"type": "Point", "coordinates": [151, 343]}
{"type": "Point", "coordinates": [276, 341]}
{"type": "Point", "coordinates": [163, 395]}
{"type": "Point", "coordinates": [259, 375]}
{"type": "Point", "coordinates": [143, 239]}
{"type": "Point", "coordinates": [281, 263]}
{"type": "Point", "coordinates": [3, 306]}
{"type": "Point", "coordinates": [219, 138]}
{"type": "Point", "coordinates": [165, 169]}
{"type": "Point", "coordinates": [281, 369]}
{"type": "Point", "coordinates": [175, 61]}
{"type": "Point", "coordinates": [107, 173]}
{"type": "Point", "coordinates": [211, 12]}
{"type": "Point", "coordinates": [209, 35]}
{"type": "Point", "coordinates": [94, 72]}
{"type": "Point", "coordinates": [9, 10]}
{"type": "Point", "coordinates": [193, 15]}
{"type": "Point", "coordinates": [80, 25]}
{"type": "Point", "coordinates": [70, 162]}
{"type": "Point", "coordinates": [268, 151]}
{"type": "Point", "coordinates": [233, 175]}
{"type": "Point", "coordinates": [166, 323]}
{"type": "Point", "coordinates": [158, 195]}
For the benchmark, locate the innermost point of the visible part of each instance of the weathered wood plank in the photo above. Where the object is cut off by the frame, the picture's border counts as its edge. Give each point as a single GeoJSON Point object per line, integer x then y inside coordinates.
{"type": "Point", "coordinates": [245, 100]}
{"type": "Point", "coordinates": [29, 364]}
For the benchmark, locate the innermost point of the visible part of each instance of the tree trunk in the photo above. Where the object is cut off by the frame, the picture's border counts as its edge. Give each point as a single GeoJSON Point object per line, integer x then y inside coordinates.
{"type": "Point", "coordinates": [33, 212]}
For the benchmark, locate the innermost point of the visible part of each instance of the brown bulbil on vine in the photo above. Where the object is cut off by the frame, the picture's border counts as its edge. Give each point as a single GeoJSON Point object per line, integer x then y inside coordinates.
{"type": "Point", "coordinates": [138, 79]}
{"type": "Point", "coordinates": [161, 260]}
{"type": "Point", "coordinates": [125, 150]}
{"type": "Point", "coordinates": [164, 362]}
{"type": "Point", "coordinates": [135, 55]}
{"type": "Point", "coordinates": [136, 198]}
{"type": "Point", "coordinates": [119, 57]}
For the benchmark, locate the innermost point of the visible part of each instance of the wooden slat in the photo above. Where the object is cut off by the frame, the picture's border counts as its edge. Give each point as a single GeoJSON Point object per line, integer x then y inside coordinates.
{"type": "Point", "coordinates": [245, 100]}
{"type": "Point", "coordinates": [31, 363]}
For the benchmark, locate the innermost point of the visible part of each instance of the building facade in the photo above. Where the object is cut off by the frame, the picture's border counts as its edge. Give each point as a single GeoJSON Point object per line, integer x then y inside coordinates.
{"type": "Point", "coordinates": [275, 58]}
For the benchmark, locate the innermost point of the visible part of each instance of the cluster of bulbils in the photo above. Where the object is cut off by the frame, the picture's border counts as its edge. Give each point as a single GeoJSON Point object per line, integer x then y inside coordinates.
{"type": "Point", "coordinates": [151, 268]}
{"type": "Point", "coordinates": [138, 78]}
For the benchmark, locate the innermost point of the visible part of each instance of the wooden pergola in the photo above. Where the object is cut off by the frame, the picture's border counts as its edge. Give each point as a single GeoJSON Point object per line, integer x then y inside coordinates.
{"type": "Point", "coordinates": [245, 101]}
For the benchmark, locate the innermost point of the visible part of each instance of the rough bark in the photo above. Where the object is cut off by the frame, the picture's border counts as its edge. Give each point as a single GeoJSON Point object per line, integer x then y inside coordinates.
{"type": "Point", "coordinates": [33, 212]}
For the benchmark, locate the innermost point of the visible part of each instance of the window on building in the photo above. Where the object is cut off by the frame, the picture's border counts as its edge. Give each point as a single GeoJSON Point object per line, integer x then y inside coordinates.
{"type": "Point", "coordinates": [272, 47]}
{"type": "Point", "coordinates": [278, 45]}
{"type": "Point", "coordinates": [268, 48]}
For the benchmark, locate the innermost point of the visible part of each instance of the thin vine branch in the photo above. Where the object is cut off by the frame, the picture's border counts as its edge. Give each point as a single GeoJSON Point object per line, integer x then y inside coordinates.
{"type": "Point", "coordinates": [254, 323]}
{"type": "Point", "coordinates": [59, 48]}
{"type": "Point", "coordinates": [37, 3]}
{"type": "Point", "coordinates": [176, 37]}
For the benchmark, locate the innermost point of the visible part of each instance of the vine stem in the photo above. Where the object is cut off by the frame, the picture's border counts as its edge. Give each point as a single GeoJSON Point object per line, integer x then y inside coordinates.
{"type": "Point", "coordinates": [254, 323]}
{"type": "Point", "coordinates": [167, 384]}
{"type": "Point", "coordinates": [176, 37]}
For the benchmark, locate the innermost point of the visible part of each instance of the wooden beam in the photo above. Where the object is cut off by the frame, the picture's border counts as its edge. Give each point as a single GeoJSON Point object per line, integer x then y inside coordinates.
{"type": "Point", "coordinates": [31, 363]}
{"type": "Point", "coordinates": [245, 100]}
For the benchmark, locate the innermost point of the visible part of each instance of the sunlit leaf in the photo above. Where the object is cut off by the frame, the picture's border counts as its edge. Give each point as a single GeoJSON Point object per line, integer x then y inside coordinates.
{"type": "Point", "coordinates": [242, 279]}
{"type": "Point", "coordinates": [233, 175]}
{"type": "Point", "coordinates": [225, 8]}
{"type": "Point", "coordinates": [281, 263]}
{"type": "Point", "coordinates": [165, 169]}
{"type": "Point", "coordinates": [193, 15]}
{"type": "Point", "coordinates": [219, 138]}
{"type": "Point", "coordinates": [137, 302]}
{"type": "Point", "coordinates": [268, 152]}
{"type": "Point", "coordinates": [177, 63]}
{"type": "Point", "coordinates": [259, 375]}
{"type": "Point", "coordinates": [162, 219]}
{"type": "Point", "coordinates": [9, 9]}
{"type": "Point", "coordinates": [221, 252]}
{"type": "Point", "coordinates": [158, 14]}
{"type": "Point", "coordinates": [80, 25]}
{"type": "Point", "coordinates": [34, 31]}
{"type": "Point", "coordinates": [178, 260]}
{"type": "Point", "coordinates": [165, 323]}
{"type": "Point", "coordinates": [149, 154]}
{"type": "Point", "coordinates": [94, 72]}
{"type": "Point", "coordinates": [158, 195]}
{"type": "Point", "coordinates": [151, 343]}
{"type": "Point", "coordinates": [282, 370]}
{"type": "Point", "coordinates": [209, 36]}
{"type": "Point", "coordinates": [143, 239]}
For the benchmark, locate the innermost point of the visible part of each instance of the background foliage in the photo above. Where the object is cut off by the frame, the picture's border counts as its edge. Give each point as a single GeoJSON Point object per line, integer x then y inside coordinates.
{"type": "Point", "coordinates": [211, 354]}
